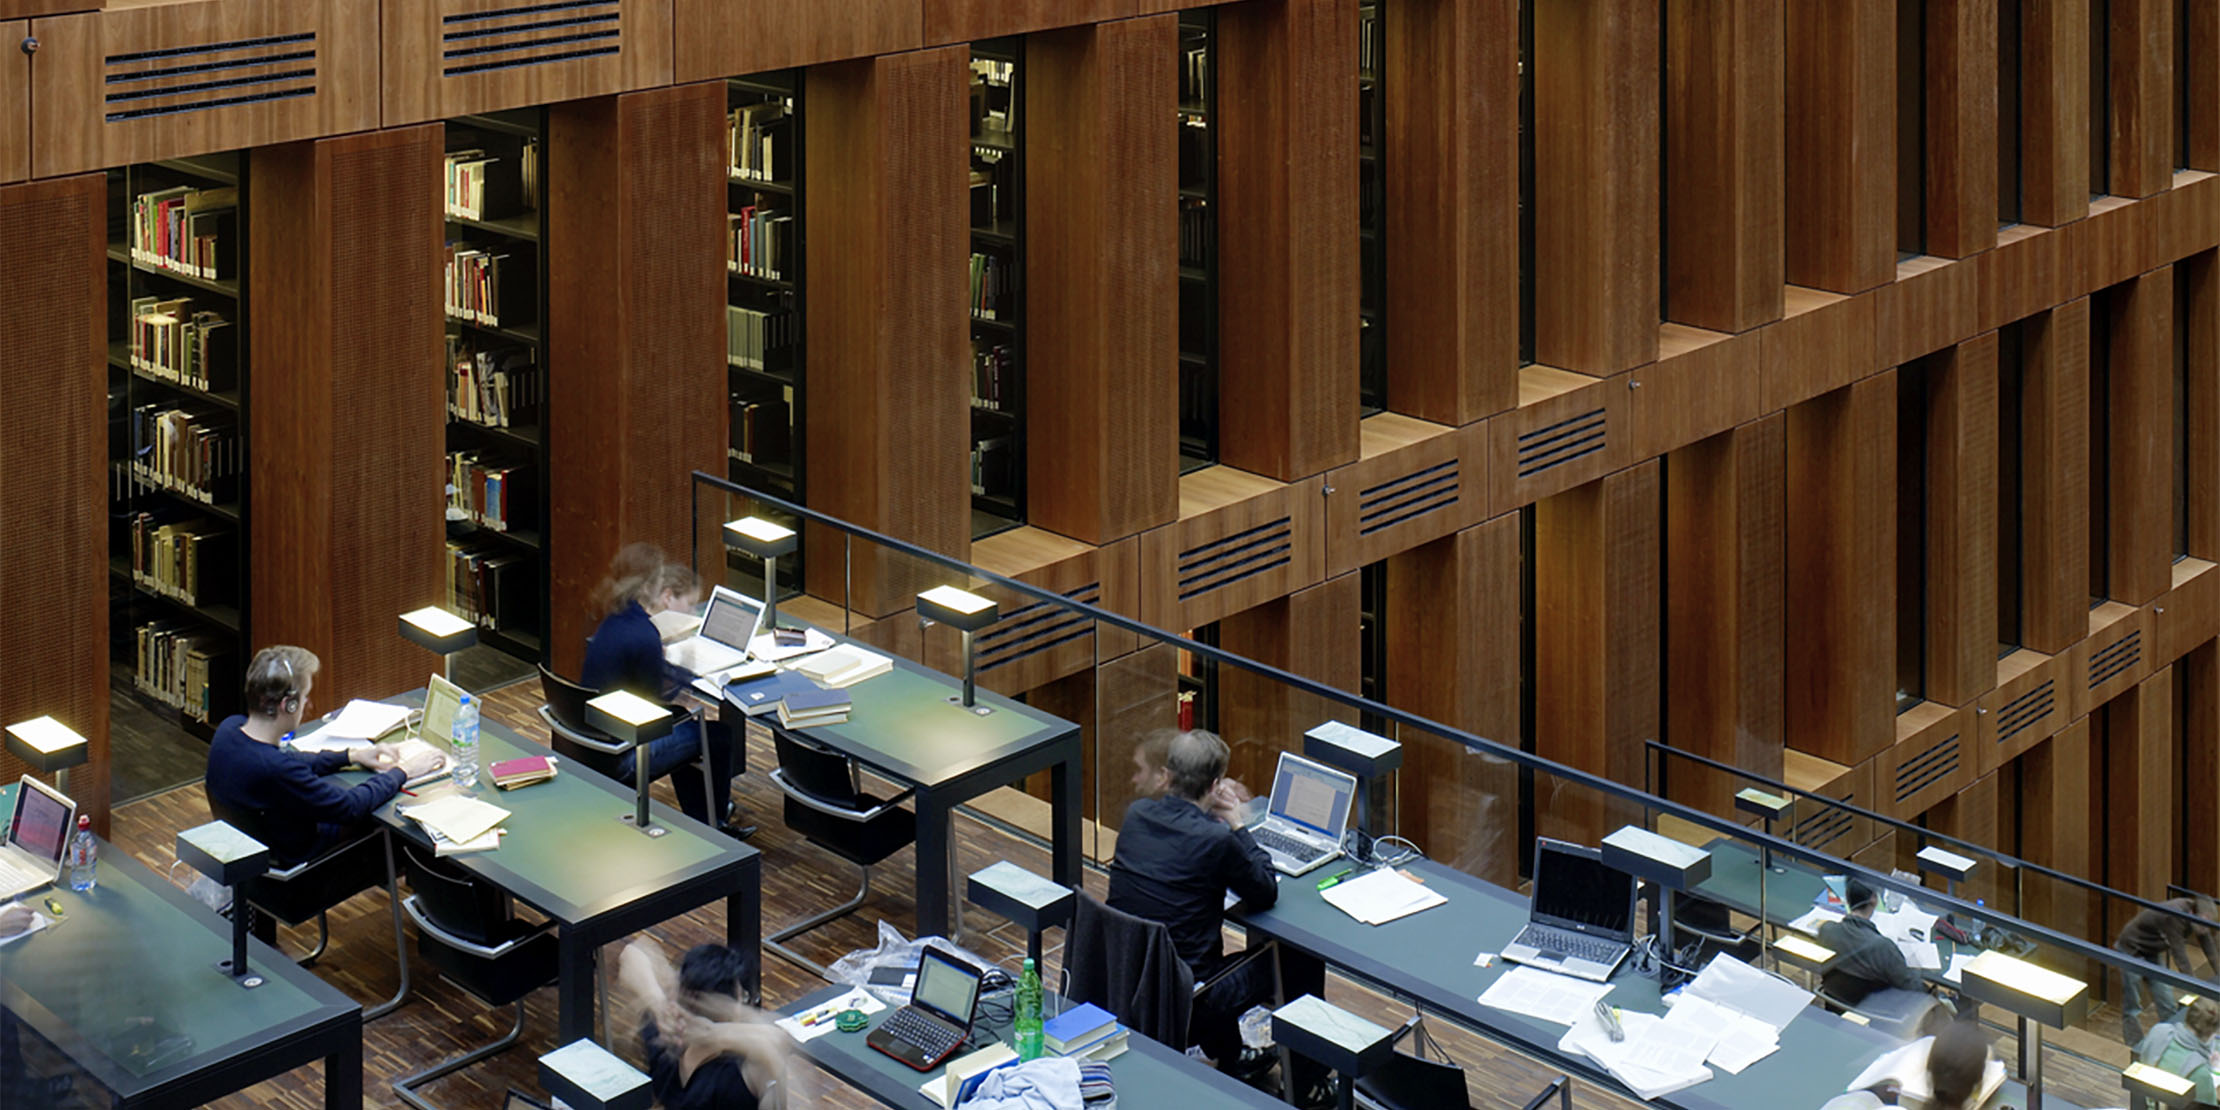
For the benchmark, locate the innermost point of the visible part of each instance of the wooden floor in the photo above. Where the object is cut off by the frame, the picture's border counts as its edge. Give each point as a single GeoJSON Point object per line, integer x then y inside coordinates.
{"type": "Point", "coordinates": [440, 1021]}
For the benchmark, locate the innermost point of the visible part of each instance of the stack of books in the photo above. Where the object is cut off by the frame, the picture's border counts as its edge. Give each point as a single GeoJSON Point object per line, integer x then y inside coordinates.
{"type": "Point", "coordinates": [844, 666]}
{"type": "Point", "coordinates": [803, 708]}
{"type": "Point", "coordinates": [512, 773]}
{"type": "Point", "coordinates": [1084, 1032]}
{"type": "Point", "coordinates": [764, 693]}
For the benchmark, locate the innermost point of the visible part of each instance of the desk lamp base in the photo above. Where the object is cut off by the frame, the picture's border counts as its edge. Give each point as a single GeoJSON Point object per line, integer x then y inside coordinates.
{"type": "Point", "coordinates": [958, 699]}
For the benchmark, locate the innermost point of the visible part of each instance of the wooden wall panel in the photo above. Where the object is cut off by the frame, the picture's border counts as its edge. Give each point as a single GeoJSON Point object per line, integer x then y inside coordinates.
{"type": "Point", "coordinates": [99, 100]}
{"type": "Point", "coordinates": [2060, 828]}
{"type": "Point", "coordinates": [1453, 659]}
{"type": "Point", "coordinates": [1841, 526]}
{"type": "Point", "coordinates": [53, 463]}
{"type": "Point", "coordinates": [1840, 150]}
{"type": "Point", "coordinates": [2055, 489]}
{"type": "Point", "coordinates": [2113, 659]}
{"type": "Point", "coordinates": [1312, 633]}
{"type": "Point", "coordinates": [1977, 814]}
{"type": "Point", "coordinates": [1723, 172]}
{"type": "Point", "coordinates": [950, 21]}
{"type": "Point", "coordinates": [1595, 185]}
{"type": "Point", "coordinates": [2032, 700]}
{"type": "Point", "coordinates": [1824, 342]}
{"type": "Point", "coordinates": [2196, 746]}
{"type": "Point", "coordinates": [349, 431]}
{"type": "Point", "coordinates": [1703, 383]}
{"type": "Point", "coordinates": [1725, 616]}
{"type": "Point", "coordinates": [1102, 389]}
{"type": "Point", "coordinates": [1416, 483]}
{"type": "Point", "coordinates": [1931, 305]}
{"type": "Point", "coordinates": [1452, 294]}
{"type": "Point", "coordinates": [729, 38]}
{"type": "Point", "coordinates": [1823, 827]}
{"type": "Point", "coordinates": [22, 9]}
{"type": "Point", "coordinates": [15, 104]}
{"type": "Point", "coordinates": [1961, 124]}
{"type": "Point", "coordinates": [2139, 788]}
{"type": "Point", "coordinates": [1035, 642]}
{"type": "Point", "coordinates": [2140, 522]}
{"type": "Point", "coordinates": [2141, 105]}
{"type": "Point", "coordinates": [636, 338]}
{"type": "Point", "coordinates": [1241, 540]}
{"type": "Point", "coordinates": [1935, 754]}
{"type": "Point", "coordinates": [2054, 111]}
{"type": "Point", "coordinates": [2197, 282]}
{"type": "Point", "coordinates": [2022, 276]}
{"type": "Point", "coordinates": [2189, 613]}
{"type": "Point", "coordinates": [439, 62]}
{"type": "Point", "coordinates": [1287, 180]}
{"type": "Point", "coordinates": [1961, 521]}
{"type": "Point", "coordinates": [1569, 429]}
{"type": "Point", "coordinates": [886, 327]}
{"type": "Point", "coordinates": [1115, 705]}
{"type": "Point", "coordinates": [2201, 97]}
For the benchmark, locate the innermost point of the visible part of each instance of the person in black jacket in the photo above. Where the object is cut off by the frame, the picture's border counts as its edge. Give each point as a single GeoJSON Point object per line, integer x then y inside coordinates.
{"type": "Point", "coordinates": [706, 1049]}
{"type": "Point", "coordinates": [1865, 961]}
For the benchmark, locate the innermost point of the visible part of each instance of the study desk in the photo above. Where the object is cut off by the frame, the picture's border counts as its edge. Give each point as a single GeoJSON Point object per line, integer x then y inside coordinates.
{"type": "Point", "coordinates": [1148, 1075]}
{"type": "Point", "coordinates": [570, 855]}
{"type": "Point", "coordinates": [126, 986]}
{"type": "Point", "coordinates": [1789, 892]}
{"type": "Point", "coordinates": [1427, 958]}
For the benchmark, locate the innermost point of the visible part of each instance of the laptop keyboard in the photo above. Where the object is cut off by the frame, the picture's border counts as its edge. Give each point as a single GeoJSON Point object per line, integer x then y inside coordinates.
{"type": "Point", "coordinates": [1571, 945]}
{"type": "Point", "coordinates": [15, 872]}
{"type": "Point", "coordinates": [934, 1037]}
{"type": "Point", "coordinates": [1276, 841]}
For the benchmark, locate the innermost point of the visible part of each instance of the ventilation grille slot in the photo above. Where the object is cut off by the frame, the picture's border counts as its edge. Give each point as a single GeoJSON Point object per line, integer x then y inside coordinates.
{"type": "Point", "coordinates": [528, 35]}
{"type": "Point", "coordinates": [212, 75]}
{"type": "Point", "coordinates": [1407, 498]}
{"type": "Point", "coordinates": [1927, 768]}
{"type": "Point", "coordinates": [1032, 629]}
{"type": "Point", "coordinates": [2116, 657]}
{"type": "Point", "coordinates": [1561, 442]}
{"type": "Point", "coordinates": [2026, 711]}
{"type": "Point", "coordinates": [1825, 825]}
{"type": "Point", "coordinates": [1245, 554]}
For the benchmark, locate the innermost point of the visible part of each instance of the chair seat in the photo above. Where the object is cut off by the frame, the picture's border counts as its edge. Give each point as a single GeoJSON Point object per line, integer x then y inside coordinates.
{"type": "Point", "coordinates": [862, 843]}
{"type": "Point", "coordinates": [503, 979]}
{"type": "Point", "coordinates": [1403, 1081]}
{"type": "Point", "coordinates": [327, 881]}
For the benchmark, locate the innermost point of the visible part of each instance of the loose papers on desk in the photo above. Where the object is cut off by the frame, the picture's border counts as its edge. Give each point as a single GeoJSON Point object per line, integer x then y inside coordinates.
{"type": "Point", "coordinates": [458, 817]}
{"type": "Point", "coordinates": [1729, 983]}
{"type": "Point", "coordinates": [812, 1024]}
{"type": "Point", "coordinates": [1656, 1058]}
{"type": "Point", "coordinates": [1544, 994]}
{"type": "Point", "coordinates": [1809, 923]}
{"type": "Point", "coordinates": [359, 723]}
{"type": "Point", "coordinates": [1958, 962]}
{"type": "Point", "coordinates": [1381, 897]}
{"type": "Point", "coordinates": [1742, 1040]}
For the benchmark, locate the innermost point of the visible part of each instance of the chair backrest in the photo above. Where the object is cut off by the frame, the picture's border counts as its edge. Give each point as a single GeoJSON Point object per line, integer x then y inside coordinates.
{"type": "Point", "coordinates": [1127, 965]}
{"type": "Point", "coordinates": [567, 701]}
{"type": "Point", "coordinates": [248, 821]}
{"type": "Point", "coordinates": [457, 903]}
{"type": "Point", "coordinates": [828, 776]}
{"type": "Point", "coordinates": [567, 730]}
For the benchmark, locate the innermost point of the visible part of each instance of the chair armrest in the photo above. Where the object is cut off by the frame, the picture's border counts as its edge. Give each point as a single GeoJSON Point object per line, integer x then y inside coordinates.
{"type": "Point", "coordinates": [1716, 938]}
{"type": "Point", "coordinates": [778, 777]}
{"type": "Point", "coordinates": [489, 952]}
{"type": "Point", "coordinates": [600, 744]}
{"type": "Point", "coordinates": [1559, 1089]}
{"type": "Point", "coordinates": [1268, 948]}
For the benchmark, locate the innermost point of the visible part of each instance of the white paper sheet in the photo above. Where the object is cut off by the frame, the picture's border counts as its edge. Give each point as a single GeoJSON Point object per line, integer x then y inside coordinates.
{"type": "Point", "coordinates": [1810, 922]}
{"type": "Point", "coordinates": [364, 720]}
{"type": "Point", "coordinates": [1737, 986]}
{"type": "Point", "coordinates": [1380, 897]}
{"type": "Point", "coordinates": [1742, 1040]}
{"type": "Point", "coordinates": [765, 647]}
{"type": "Point", "coordinates": [1958, 962]}
{"type": "Point", "coordinates": [1920, 954]}
{"type": "Point", "coordinates": [1908, 1066]}
{"type": "Point", "coordinates": [857, 998]}
{"type": "Point", "coordinates": [1588, 1038]}
{"type": "Point", "coordinates": [39, 921]}
{"type": "Point", "coordinates": [1543, 994]}
{"type": "Point", "coordinates": [457, 817]}
{"type": "Point", "coordinates": [1906, 922]}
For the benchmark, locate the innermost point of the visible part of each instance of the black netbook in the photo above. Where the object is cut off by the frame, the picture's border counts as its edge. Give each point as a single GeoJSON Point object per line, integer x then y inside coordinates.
{"type": "Point", "coordinates": [938, 1018]}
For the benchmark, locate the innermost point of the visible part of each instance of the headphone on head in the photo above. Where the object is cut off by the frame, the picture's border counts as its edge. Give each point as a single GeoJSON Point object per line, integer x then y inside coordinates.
{"type": "Point", "coordinates": [290, 700]}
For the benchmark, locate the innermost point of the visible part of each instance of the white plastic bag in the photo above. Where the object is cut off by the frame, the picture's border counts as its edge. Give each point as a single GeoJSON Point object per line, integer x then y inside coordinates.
{"type": "Point", "coordinates": [893, 951]}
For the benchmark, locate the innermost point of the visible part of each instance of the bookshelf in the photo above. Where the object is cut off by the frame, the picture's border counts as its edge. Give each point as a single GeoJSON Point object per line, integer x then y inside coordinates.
{"type": "Point", "coordinates": [1371, 214]}
{"type": "Point", "coordinates": [494, 198]}
{"type": "Point", "coordinates": [1198, 682]}
{"type": "Point", "coordinates": [997, 305]}
{"type": "Point", "coordinates": [764, 253]}
{"type": "Point", "coordinates": [1198, 244]}
{"type": "Point", "coordinates": [177, 435]}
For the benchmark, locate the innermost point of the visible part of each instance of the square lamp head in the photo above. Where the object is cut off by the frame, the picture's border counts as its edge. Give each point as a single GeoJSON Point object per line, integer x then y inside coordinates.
{"type": "Point", "coordinates": [2032, 992]}
{"type": "Point", "coordinates": [221, 852]}
{"type": "Point", "coordinates": [47, 744]}
{"type": "Point", "coordinates": [629, 717]}
{"type": "Point", "coordinates": [1660, 859]}
{"type": "Point", "coordinates": [1803, 952]}
{"type": "Point", "coordinates": [586, 1076]}
{"type": "Point", "coordinates": [957, 608]}
{"type": "Point", "coordinates": [759, 537]}
{"type": "Point", "coordinates": [1950, 865]}
{"type": "Point", "coordinates": [1758, 803]}
{"type": "Point", "coordinates": [436, 629]}
{"type": "Point", "coordinates": [2157, 1084]}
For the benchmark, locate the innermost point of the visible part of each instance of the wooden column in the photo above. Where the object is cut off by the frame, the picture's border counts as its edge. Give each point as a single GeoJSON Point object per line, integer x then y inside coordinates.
{"type": "Point", "coordinates": [1452, 212]}
{"type": "Point", "coordinates": [2140, 77]}
{"type": "Point", "coordinates": [888, 243]}
{"type": "Point", "coordinates": [1973, 814]}
{"type": "Point", "coordinates": [1725, 619]}
{"type": "Point", "coordinates": [1596, 559]}
{"type": "Point", "coordinates": [2139, 788]}
{"type": "Point", "coordinates": [1961, 521]}
{"type": "Point", "coordinates": [1287, 237]}
{"type": "Point", "coordinates": [1102, 386]}
{"type": "Point", "coordinates": [54, 640]}
{"type": "Point", "coordinates": [2055, 490]}
{"type": "Point", "coordinates": [348, 420]}
{"type": "Point", "coordinates": [2062, 827]}
{"type": "Point", "coordinates": [2198, 673]}
{"type": "Point", "coordinates": [2139, 315]}
{"type": "Point", "coordinates": [1595, 185]}
{"type": "Point", "coordinates": [1453, 659]}
{"type": "Point", "coordinates": [1840, 151]}
{"type": "Point", "coordinates": [1723, 170]}
{"type": "Point", "coordinates": [1961, 77]}
{"type": "Point", "coordinates": [1310, 632]}
{"type": "Point", "coordinates": [2203, 81]}
{"type": "Point", "coordinates": [1115, 702]}
{"type": "Point", "coordinates": [636, 339]}
{"type": "Point", "coordinates": [1841, 528]}
{"type": "Point", "coordinates": [2197, 285]}
{"type": "Point", "coordinates": [2054, 111]}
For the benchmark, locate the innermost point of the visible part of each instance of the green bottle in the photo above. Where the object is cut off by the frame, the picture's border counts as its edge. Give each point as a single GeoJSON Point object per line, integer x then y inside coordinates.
{"type": "Point", "coordinates": [1029, 1012]}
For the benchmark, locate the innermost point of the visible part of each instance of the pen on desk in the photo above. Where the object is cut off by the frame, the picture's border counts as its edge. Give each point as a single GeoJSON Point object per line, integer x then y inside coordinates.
{"type": "Point", "coordinates": [409, 792]}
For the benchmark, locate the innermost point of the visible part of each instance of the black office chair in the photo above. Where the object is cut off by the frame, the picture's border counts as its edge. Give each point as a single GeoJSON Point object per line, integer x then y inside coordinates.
{"type": "Point", "coordinates": [572, 738]}
{"type": "Point", "coordinates": [1703, 929]}
{"type": "Point", "coordinates": [310, 889]}
{"type": "Point", "coordinates": [466, 931]}
{"type": "Point", "coordinates": [1421, 1080]}
{"type": "Point", "coordinates": [825, 804]}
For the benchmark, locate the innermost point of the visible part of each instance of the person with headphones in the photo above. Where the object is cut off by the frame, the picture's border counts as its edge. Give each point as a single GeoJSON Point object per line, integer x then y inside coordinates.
{"type": "Point", "coordinates": [295, 807]}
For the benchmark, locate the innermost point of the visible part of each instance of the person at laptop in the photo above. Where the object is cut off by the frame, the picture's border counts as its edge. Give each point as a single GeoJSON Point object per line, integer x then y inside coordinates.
{"type": "Point", "coordinates": [297, 809]}
{"type": "Point", "coordinates": [626, 652]}
{"type": "Point", "coordinates": [705, 1047]}
{"type": "Point", "coordinates": [1865, 961]}
{"type": "Point", "coordinates": [1178, 854]}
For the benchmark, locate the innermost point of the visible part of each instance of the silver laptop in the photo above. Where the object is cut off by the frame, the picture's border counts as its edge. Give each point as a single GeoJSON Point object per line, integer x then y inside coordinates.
{"type": "Point", "coordinates": [722, 641]}
{"type": "Point", "coordinates": [1582, 919]}
{"type": "Point", "coordinates": [1307, 816]}
{"type": "Point", "coordinates": [38, 835]}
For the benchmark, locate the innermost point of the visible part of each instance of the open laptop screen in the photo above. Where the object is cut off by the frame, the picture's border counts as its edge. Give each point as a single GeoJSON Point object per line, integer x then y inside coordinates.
{"type": "Point", "coordinates": [946, 986]}
{"type": "Point", "coordinates": [40, 824]}
{"type": "Point", "coordinates": [442, 701]}
{"type": "Point", "coordinates": [1575, 889]}
{"type": "Point", "coordinates": [731, 618]}
{"type": "Point", "coordinates": [1312, 795]}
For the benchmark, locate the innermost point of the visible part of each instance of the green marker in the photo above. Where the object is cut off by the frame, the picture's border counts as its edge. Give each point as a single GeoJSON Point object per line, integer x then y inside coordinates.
{"type": "Point", "coordinates": [1335, 877]}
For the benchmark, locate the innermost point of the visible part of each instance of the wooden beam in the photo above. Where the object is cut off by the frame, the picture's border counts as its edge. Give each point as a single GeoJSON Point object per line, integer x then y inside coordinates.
{"type": "Point", "coordinates": [1840, 149]}
{"type": "Point", "coordinates": [2139, 788]}
{"type": "Point", "coordinates": [2139, 471]}
{"type": "Point", "coordinates": [2140, 75]}
{"type": "Point", "coordinates": [1841, 527]}
{"type": "Point", "coordinates": [2197, 303]}
{"type": "Point", "coordinates": [1961, 521]}
{"type": "Point", "coordinates": [1312, 633]}
{"type": "Point", "coordinates": [1961, 77]}
{"type": "Point", "coordinates": [2198, 753]}
{"type": "Point", "coordinates": [2054, 111]}
{"type": "Point", "coordinates": [1723, 169]}
{"type": "Point", "coordinates": [2055, 479]}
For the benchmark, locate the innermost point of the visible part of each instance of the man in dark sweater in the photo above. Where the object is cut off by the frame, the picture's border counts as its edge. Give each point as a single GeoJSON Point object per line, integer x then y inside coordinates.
{"type": "Point", "coordinates": [1865, 961]}
{"type": "Point", "coordinates": [2153, 935]}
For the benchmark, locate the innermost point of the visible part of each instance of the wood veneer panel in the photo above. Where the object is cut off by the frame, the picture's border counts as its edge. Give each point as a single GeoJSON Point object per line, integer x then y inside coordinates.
{"type": "Point", "coordinates": [2054, 111]}
{"type": "Point", "coordinates": [1823, 342]}
{"type": "Point", "coordinates": [2140, 521]}
{"type": "Point", "coordinates": [2203, 87]}
{"type": "Point", "coordinates": [2023, 275]}
{"type": "Point", "coordinates": [2198, 676]}
{"type": "Point", "coordinates": [636, 288]}
{"type": "Point", "coordinates": [1102, 395]}
{"type": "Point", "coordinates": [1703, 383]}
{"type": "Point", "coordinates": [724, 38]}
{"type": "Point", "coordinates": [1569, 429]}
{"type": "Point", "coordinates": [1932, 304]}
{"type": "Point", "coordinates": [948, 21]}
{"type": "Point", "coordinates": [2140, 73]}
{"type": "Point", "coordinates": [1961, 521]}
{"type": "Point", "coordinates": [888, 244]}
{"type": "Point", "coordinates": [349, 428]}
{"type": "Point", "coordinates": [1417, 482]}
{"type": "Point", "coordinates": [1452, 228]}
{"type": "Point", "coordinates": [2197, 281]}
{"type": "Point", "coordinates": [1975, 814]}
{"type": "Point", "coordinates": [422, 80]}
{"type": "Point", "coordinates": [53, 459]}
{"type": "Point", "coordinates": [1840, 148]}
{"type": "Point", "coordinates": [15, 105]}
{"type": "Point", "coordinates": [1311, 633]}
{"type": "Point", "coordinates": [2061, 829]}
{"type": "Point", "coordinates": [1961, 124]}
{"type": "Point", "coordinates": [1934, 755]}
{"type": "Point", "coordinates": [1114, 705]}
{"type": "Point", "coordinates": [1241, 540]}
{"type": "Point", "coordinates": [2032, 700]}
{"type": "Point", "coordinates": [1287, 194]}
{"type": "Point", "coordinates": [1595, 185]}
{"type": "Point", "coordinates": [1035, 642]}
{"type": "Point", "coordinates": [2055, 490]}
{"type": "Point", "coordinates": [1841, 526]}
{"type": "Point", "coordinates": [1452, 659]}
{"type": "Point", "coordinates": [2187, 615]}
{"type": "Point", "coordinates": [2139, 788]}
{"type": "Point", "coordinates": [1725, 615]}
{"type": "Point", "coordinates": [1723, 168]}
{"type": "Point", "coordinates": [21, 9]}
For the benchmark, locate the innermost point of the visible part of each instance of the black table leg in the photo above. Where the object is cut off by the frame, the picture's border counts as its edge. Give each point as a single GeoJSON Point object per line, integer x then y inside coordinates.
{"type": "Point", "coordinates": [343, 1075]}
{"type": "Point", "coordinates": [932, 865]}
{"type": "Point", "coordinates": [1064, 818]}
{"type": "Point", "coordinates": [574, 987]}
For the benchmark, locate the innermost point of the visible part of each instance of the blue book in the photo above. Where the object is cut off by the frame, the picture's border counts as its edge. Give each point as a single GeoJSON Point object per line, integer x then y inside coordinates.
{"type": "Point", "coordinates": [813, 705]}
{"type": "Point", "coordinates": [1077, 1026]}
{"type": "Point", "coordinates": [762, 694]}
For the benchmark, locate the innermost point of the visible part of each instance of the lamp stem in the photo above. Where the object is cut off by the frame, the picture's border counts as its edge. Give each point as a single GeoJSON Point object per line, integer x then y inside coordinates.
{"type": "Point", "coordinates": [61, 780]}
{"type": "Point", "coordinates": [1765, 932]}
{"type": "Point", "coordinates": [239, 912]}
{"type": "Point", "coordinates": [640, 784]}
{"type": "Point", "coordinates": [770, 593]}
{"type": "Point", "coordinates": [2031, 1061]}
{"type": "Point", "coordinates": [447, 666]}
{"type": "Point", "coordinates": [970, 670]}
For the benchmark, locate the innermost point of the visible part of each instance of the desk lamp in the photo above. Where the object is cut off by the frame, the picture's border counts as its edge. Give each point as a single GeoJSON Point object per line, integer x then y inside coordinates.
{"type": "Point", "coordinates": [586, 1076]}
{"type": "Point", "coordinates": [639, 722]}
{"type": "Point", "coordinates": [436, 629]}
{"type": "Point", "coordinates": [2146, 1084]}
{"type": "Point", "coordinates": [1662, 860]}
{"type": "Point", "coordinates": [1801, 951]}
{"type": "Point", "coordinates": [1768, 807]}
{"type": "Point", "coordinates": [969, 612]}
{"type": "Point", "coordinates": [1347, 1044]}
{"type": "Point", "coordinates": [48, 745]}
{"type": "Point", "coordinates": [1935, 860]}
{"type": "Point", "coordinates": [1363, 754]}
{"type": "Point", "coordinates": [1030, 901]}
{"type": "Point", "coordinates": [2037, 995]}
{"type": "Point", "coordinates": [230, 857]}
{"type": "Point", "coordinates": [766, 541]}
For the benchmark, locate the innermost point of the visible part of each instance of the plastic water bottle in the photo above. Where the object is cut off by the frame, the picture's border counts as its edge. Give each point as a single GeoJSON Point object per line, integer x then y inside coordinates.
{"type": "Point", "coordinates": [466, 743]}
{"type": "Point", "coordinates": [83, 850]}
{"type": "Point", "coordinates": [1028, 1024]}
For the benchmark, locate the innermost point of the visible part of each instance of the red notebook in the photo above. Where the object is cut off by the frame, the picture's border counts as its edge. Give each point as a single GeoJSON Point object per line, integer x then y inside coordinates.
{"type": "Point", "coordinates": [511, 773]}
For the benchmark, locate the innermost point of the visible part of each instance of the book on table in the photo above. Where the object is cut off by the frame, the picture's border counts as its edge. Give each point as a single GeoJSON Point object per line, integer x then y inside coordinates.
{"type": "Point", "coordinates": [803, 708]}
{"type": "Point", "coordinates": [509, 774]}
{"type": "Point", "coordinates": [845, 665]}
{"type": "Point", "coordinates": [764, 693]}
{"type": "Point", "coordinates": [1079, 1026]}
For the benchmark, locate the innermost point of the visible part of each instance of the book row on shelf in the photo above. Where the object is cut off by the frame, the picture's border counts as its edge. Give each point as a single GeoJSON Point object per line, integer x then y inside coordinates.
{"type": "Point", "coordinates": [499, 388]}
{"type": "Point", "coordinates": [474, 289]}
{"type": "Point", "coordinates": [173, 341]}
{"type": "Point", "coordinates": [182, 666]}
{"type": "Point", "coordinates": [167, 556]}
{"type": "Point", "coordinates": [991, 117]}
{"type": "Point", "coordinates": [760, 242]}
{"type": "Point", "coordinates": [194, 454]}
{"type": "Point", "coordinates": [1194, 73]}
{"type": "Point", "coordinates": [477, 193]}
{"type": "Point", "coordinates": [990, 286]}
{"type": "Point", "coordinates": [487, 490]}
{"type": "Point", "coordinates": [186, 231]}
{"type": "Point", "coordinates": [1194, 230]}
{"type": "Point", "coordinates": [758, 140]}
{"type": "Point", "coordinates": [491, 585]}
{"type": "Point", "coordinates": [990, 367]}
{"type": "Point", "coordinates": [990, 466]}
{"type": "Point", "coordinates": [762, 428]}
{"type": "Point", "coordinates": [756, 339]}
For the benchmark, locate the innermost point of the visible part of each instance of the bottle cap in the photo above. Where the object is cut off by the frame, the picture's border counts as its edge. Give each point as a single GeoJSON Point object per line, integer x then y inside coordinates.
{"type": "Point", "coordinates": [84, 822]}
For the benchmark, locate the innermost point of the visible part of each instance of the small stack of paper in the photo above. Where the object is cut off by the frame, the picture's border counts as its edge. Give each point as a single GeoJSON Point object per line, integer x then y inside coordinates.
{"type": "Point", "coordinates": [1809, 923]}
{"type": "Point", "coordinates": [458, 823]}
{"type": "Point", "coordinates": [816, 1023]}
{"type": "Point", "coordinates": [1741, 1040]}
{"type": "Point", "coordinates": [1544, 994]}
{"type": "Point", "coordinates": [845, 665]}
{"type": "Point", "coordinates": [359, 723]}
{"type": "Point", "coordinates": [1381, 897]}
{"type": "Point", "coordinates": [1657, 1057]}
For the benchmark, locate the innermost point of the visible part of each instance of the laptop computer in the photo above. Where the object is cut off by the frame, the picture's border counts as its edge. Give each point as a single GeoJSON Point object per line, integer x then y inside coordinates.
{"type": "Point", "coordinates": [435, 729]}
{"type": "Point", "coordinates": [727, 625]}
{"type": "Point", "coordinates": [1581, 922]}
{"type": "Point", "coordinates": [1307, 816]}
{"type": "Point", "coordinates": [38, 835]}
{"type": "Point", "coordinates": [938, 1019]}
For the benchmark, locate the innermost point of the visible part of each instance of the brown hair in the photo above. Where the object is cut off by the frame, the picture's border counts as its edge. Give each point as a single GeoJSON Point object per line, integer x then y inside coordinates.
{"type": "Point", "coordinates": [631, 573]}
{"type": "Point", "coordinates": [276, 676]}
{"type": "Point", "coordinates": [2203, 1018]}
{"type": "Point", "coordinates": [1955, 1063]}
